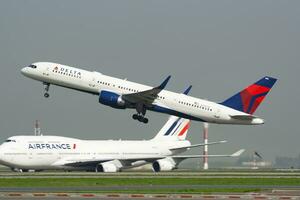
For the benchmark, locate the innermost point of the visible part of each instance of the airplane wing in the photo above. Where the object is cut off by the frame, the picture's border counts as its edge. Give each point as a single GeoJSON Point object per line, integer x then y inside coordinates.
{"type": "Point", "coordinates": [96, 161]}
{"type": "Point", "coordinates": [198, 145]}
{"type": "Point", "coordinates": [147, 96]}
{"type": "Point", "coordinates": [236, 154]}
{"type": "Point", "coordinates": [80, 162]}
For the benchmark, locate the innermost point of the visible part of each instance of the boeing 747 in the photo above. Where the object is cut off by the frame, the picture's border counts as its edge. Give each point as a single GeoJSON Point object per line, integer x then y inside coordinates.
{"type": "Point", "coordinates": [24, 153]}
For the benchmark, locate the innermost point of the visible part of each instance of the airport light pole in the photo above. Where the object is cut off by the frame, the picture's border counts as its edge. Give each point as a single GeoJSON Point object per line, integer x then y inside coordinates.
{"type": "Point", "coordinates": [205, 150]}
{"type": "Point", "coordinates": [37, 129]}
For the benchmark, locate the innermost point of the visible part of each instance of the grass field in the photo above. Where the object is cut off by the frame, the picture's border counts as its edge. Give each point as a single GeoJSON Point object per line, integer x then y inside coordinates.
{"type": "Point", "coordinates": [56, 182]}
{"type": "Point", "coordinates": [255, 184]}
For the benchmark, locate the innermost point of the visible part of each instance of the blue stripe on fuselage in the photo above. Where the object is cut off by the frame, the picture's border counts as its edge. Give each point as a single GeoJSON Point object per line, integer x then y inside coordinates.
{"type": "Point", "coordinates": [169, 111]}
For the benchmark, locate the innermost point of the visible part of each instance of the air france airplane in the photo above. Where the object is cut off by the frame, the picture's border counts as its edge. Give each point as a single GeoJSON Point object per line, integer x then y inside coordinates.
{"type": "Point", "coordinates": [24, 153]}
{"type": "Point", "coordinates": [122, 94]}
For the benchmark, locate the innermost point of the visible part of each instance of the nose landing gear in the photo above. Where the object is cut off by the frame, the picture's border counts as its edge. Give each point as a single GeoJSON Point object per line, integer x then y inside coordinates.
{"type": "Point", "coordinates": [46, 89]}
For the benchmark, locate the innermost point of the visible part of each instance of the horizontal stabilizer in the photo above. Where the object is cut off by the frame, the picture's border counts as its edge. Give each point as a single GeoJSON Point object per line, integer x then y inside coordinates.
{"type": "Point", "coordinates": [243, 117]}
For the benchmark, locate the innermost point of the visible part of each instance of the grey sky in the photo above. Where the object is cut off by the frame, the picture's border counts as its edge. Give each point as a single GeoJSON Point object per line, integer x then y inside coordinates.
{"type": "Point", "coordinates": [217, 46]}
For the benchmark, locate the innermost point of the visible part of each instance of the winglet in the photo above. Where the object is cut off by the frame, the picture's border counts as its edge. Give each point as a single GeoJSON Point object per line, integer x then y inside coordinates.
{"type": "Point", "coordinates": [187, 90]}
{"type": "Point", "coordinates": [163, 85]}
{"type": "Point", "coordinates": [238, 153]}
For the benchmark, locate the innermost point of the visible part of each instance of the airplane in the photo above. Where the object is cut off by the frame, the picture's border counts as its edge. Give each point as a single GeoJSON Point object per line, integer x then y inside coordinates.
{"type": "Point", "coordinates": [122, 94]}
{"type": "Point", "coordinates": [37, 153]}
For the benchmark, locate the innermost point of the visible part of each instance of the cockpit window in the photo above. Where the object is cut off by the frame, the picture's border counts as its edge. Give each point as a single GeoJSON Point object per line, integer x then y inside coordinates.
{"type": "Point", "coordinates": [10, 140]}
{"type": "Point", "coordinates": [32, 66]}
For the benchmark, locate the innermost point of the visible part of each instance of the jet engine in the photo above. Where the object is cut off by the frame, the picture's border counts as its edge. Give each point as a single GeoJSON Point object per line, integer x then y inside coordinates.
{"type": "Point", "coordinates": [165, 164]}
{"type": "Point", "coordinates": [110, 166]}
{"type": "Point", "coordinates": [111, 99]}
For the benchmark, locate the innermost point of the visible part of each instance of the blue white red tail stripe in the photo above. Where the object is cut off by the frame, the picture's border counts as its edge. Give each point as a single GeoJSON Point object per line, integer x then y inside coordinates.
{"type": "Point", "coordinates": [250, 98]}
{"type": "Point", "coordinates": [172, 127]}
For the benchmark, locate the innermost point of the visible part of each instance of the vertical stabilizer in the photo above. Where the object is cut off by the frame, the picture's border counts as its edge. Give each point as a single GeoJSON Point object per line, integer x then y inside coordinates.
{"type": "Point", "coordinates": [249, 99]}
{"type": "Point", "coordinates": [176, 128]}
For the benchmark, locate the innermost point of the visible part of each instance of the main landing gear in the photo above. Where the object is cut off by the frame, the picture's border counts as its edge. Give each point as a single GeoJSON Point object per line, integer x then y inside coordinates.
{"type": "Point", "coordinates": [141, 111]}
{"type": "Point", "coordinates": [46, 89]}
{"type": "Point", "coordinates": [140, 118]}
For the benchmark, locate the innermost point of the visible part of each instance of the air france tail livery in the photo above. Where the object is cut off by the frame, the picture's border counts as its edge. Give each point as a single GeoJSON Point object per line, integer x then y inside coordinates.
{"type": "Point", "coordinates": [122, 94]}
{"type": "Point", "coordinates": [23, 153]}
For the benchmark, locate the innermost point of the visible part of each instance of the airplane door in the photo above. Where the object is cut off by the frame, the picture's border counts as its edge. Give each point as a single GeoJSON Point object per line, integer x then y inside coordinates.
{"type": "Point", "coordinates": [217, 114]}
{"type": "Point", "coordinates": [46, 72]}
{"type": "Point", "coordinates": [92, 82]}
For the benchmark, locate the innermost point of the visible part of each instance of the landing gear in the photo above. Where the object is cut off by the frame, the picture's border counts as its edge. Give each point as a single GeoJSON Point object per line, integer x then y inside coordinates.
{"type": "Point", "coordinates": [46, 89]}
{"type": "Point", "coordinates": [140, 116]}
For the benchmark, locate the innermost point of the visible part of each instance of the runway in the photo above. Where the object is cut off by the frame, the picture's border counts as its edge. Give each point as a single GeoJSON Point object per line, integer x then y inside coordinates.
{"type": "Point", "coordinates": [125, 188]}
{"type": "Point", "coordinates": [62, 196]}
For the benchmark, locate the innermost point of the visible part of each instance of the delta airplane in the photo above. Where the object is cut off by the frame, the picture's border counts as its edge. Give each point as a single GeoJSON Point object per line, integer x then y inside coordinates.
{"type": "Point", "coordinates": [122, 94]}
{"type": "Point", "coordinates": [24, 153]}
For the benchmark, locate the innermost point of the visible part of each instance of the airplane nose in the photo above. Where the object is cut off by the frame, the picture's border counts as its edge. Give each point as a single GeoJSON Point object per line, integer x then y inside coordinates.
{"type": "Point", "coordinates": [23, 70]}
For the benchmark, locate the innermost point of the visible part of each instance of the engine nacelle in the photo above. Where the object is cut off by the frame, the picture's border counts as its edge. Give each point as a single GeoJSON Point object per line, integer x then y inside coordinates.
{"type": "Point", "coordinates": [111, 99]}
{"type": "Point", "coordinates": [166, 164]}
{"type": "Point", "coordinates": [110, 166]}
{"type": "Point", "coordinates": [107, 167]}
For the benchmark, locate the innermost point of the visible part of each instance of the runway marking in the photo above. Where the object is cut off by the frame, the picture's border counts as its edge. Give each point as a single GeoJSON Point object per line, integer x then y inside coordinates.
{"type": "Point", "coordinates": [14, 194]}
{"type": "Point", "coordinates": [39, 194]}
{"type": "Point", "coordinates": [62, 195]}
{"type": "Point", "coordinates": [186, 196]}
{"type": "Point", "coordinates": [88, 195]}
{"type": "Point", "coordinates": [234, 197]}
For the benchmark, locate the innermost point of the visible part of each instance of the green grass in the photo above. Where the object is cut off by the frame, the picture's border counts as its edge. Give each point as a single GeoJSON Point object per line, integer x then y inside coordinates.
{"type": "Point", "coordinates": [56, 182]}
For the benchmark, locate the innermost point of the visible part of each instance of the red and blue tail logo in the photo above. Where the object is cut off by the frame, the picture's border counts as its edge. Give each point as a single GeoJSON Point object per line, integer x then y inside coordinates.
{"type": "Point", "coordinates": [249, 99]}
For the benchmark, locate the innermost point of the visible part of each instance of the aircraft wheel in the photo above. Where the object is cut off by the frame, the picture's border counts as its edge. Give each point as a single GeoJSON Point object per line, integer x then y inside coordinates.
{"type": "Point", "coordinates": [140, 118]}
{"type": "Point", "coordinates": [145, 120]}
{"type": "Point", "coordinates": [135, 116]}
{"type": "Point", "coordinates": [46, 95]}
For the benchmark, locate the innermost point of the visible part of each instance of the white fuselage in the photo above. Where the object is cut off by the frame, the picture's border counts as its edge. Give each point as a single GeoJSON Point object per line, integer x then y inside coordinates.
{"type": "Point", "coordinates": [167, 102]}
{"type": "Point", "coordinates": [55, 152]}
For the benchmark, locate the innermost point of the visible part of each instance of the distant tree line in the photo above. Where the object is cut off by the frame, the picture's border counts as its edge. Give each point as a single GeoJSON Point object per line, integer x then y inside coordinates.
{"type": "Point", "coordinates": [287, 162]}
